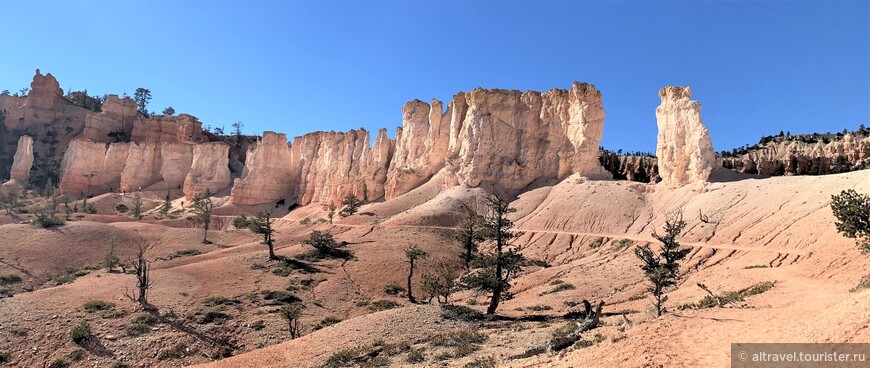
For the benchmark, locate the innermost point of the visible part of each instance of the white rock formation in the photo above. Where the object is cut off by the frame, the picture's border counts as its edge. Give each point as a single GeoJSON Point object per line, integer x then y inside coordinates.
{"type": "Point", "coordinates": [684, 150]}
{"type": "Point", "coordinates": [23, 160]}
{"type": "Point", "coordinates": [209, 170]}
{"type": "Point", "coordinates": [267, 176]}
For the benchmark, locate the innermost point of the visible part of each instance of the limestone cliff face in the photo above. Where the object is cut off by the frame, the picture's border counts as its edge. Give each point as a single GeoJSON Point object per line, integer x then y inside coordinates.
{"type": "Point", "coordinates": [209, 169]}
{"type": "Point", "coordinates": [267, 176]}
{"type": "Point", "coordinates": [168, 129]}
{"type": "Point", "coordinates": [23, 160]}
{"type": "Point", "coordinates": [117, 115]}
{"type": "Point", "coordinates": [795, 157]}
{"type": "Point", "coordinates": [508, 139]}
{"type": "Point", "coordinates": [95, 167]}
{"type": "Point", "coordinates": [327, 166]}
{"type": "Point", "coordinates": [421, 147]}
{"type": "Point", "coordinates": [684, 150]}
{"type": "Point", "coordinates": [504, 140]}
{"type": "Point", "coordinates": [90, 167]}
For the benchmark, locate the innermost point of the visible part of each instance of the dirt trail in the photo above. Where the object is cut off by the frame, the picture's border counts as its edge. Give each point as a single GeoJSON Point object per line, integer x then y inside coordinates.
{"type": "Point", "coordinates": [611, 236]}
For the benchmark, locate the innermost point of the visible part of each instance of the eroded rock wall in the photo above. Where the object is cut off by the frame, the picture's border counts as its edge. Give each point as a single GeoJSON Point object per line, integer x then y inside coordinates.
{"type": "Point", "coordinates": [509, 139]}
{"type": "Point", "coordinates": [796, 157]}
{"type": "Point", "coordinates": [267, 176]}
{"type": "Point", "coordinates": [684, 150]}
{"type": "Point", "coordinates": [209, 169]}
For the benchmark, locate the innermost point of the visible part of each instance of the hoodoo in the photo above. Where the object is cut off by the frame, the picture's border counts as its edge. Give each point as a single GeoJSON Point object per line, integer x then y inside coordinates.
{"type": "Point", "coordinates": [684, 150]}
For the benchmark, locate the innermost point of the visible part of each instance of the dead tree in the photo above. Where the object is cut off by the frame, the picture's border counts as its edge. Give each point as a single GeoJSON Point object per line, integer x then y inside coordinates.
{"type": "Point", "coordinates": [142, 268]}
{"type": "Point", "coordinates": [590, 321]}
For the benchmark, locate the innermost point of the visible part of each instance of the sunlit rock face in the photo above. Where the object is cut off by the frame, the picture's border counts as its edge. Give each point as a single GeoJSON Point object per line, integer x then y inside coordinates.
{"type": "Point", "coordinates": [684, 150]}
{"type": "Point", "coordinates": [23, 160]}
{"type": "Point", "coordinates": [267, 176]}
{"type": "Point", "coordinates": [209, 169]}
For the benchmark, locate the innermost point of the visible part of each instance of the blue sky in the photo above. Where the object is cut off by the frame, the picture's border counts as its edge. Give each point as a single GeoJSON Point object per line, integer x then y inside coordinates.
{"type": "Point", "coordinates": [296, 67]}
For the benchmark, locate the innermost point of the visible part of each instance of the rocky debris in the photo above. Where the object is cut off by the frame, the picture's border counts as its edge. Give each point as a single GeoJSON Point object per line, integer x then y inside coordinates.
{"type": "Point", "coordinates": [797, 157]}
{"type": "Point", "coordinates": [684, 150]}
{"type": "Point", "coordinates": [267, 176]}
{"type": "Point", "coordinates": [23, 161]}
{"type": "Point", "coordinates": [644, 169]}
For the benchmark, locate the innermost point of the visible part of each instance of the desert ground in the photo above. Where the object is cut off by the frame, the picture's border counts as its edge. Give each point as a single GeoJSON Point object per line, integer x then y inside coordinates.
{"type": "Point", "coordinates": [221, 300]}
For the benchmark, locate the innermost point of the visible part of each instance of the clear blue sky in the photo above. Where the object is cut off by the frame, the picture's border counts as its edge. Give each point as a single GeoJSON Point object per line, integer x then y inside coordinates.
{"type": "Point", "coordinates": [294, 67]}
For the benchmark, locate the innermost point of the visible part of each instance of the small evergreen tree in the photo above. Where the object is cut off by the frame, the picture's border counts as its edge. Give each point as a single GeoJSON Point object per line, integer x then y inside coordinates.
{"type": "Point", "coordinates": [262, 224]}
{"type": "Point", "coordinates": [202, 207]}
{"type": "Point", "coordinates": [169, 111]}
{"type": "Point", "coordinates": [142, 96]}
{"type": "Point", "coordinates": [495, 269]}
{"type": "Point", "coordinates": [469, 235]}
{"type": "Point", "coordinates": [662, 269]}
{"type": "Point", "coordinates": [413, 254]}
{"type": "Point", "coordinates": [331, 214]}
{"type": "Point", "coordinates": [166, 206]}
{"type": "Point", "coordinates": [351, 204]}
{"type": "Point", "coordinates": [852, 210]}
{"type": "Point", "coordinates": [291, 313]}
{"type": "Point", "coordinates": [136, 206]}
{"type": "Point", "coordinates": [111, 260]}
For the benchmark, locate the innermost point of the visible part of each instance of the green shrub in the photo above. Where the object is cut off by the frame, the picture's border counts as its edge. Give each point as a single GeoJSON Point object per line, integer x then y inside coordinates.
{"type": "Point", "coordinates": [4, 357]}
{"type": "Point", "coordinates": [185, 253]}
{"type": "Point", "coordinates": [383, 304]}
{"type": "Point", "coordinates": [415, 356]}
{"type": "Point", "coordinates": [9, 279]}
{"type": "Point", "coordinates": [279, 297]}
{"type": "Point", "coordinates": [137, 329]}
{"type": "Point", "coordinates": [58, 363]}
{"type": "Point", "coordinates": [540, 308]}
{"type": "Point", "coordinates": [729, 297]}
{"type": "Point", "coordinates": [213, 316]}
{"type": "Point", "coordinates": [47, 222]}
{"type": "Point", "coordinates": [76, 355]}
{"type": "Point", "coordinates": [177, 351]}
{"type": "Point", "coordinates": [378, 361]}
{"type": "Point", "coordinates": [618, 245]}
{"type": "Point", "coordinates": [326, 322]}
{"type": "Point", "coordinates": [81, 332]}
{"type": "Point", "coordinates": [121, 208]}
{"type": "Point", "coordinates": [144, 318]}
{"type": "Point", "coordinates": [98, 305]}
{"type": "Point", "coordinates": [560, 288]}
{"type": "Point", "coordinates": [394, 289]}
{"type": "Point", "coordinates": [564, 330]}
{"type": "Point", "coordinates": [458, 337]}
{"type": "Point", "coordinates": [257, 266]}
{"type": "Point", "coordinates": [258, 325]}
{"type": "Point", "coordinates": [488, 362]}
{"type": "Point", "coordinates": [863, 284]}
{"type": "Point", "coordinates": [460, 313]}
{"type": "Point", "coordinates": [755, 266]}
{"type": "Point", "coordinates": [343, 357]}
{"type": "Point", "coordinates": [580, 344]}
{"type": "Point", "coordinates": [119, 364]}
{"type": "Point", "coordinates": [214, 301]}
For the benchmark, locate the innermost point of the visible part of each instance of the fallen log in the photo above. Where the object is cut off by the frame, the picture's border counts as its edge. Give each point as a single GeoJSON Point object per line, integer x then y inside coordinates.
{"type": "Point", "coordinates": [591, 321]}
